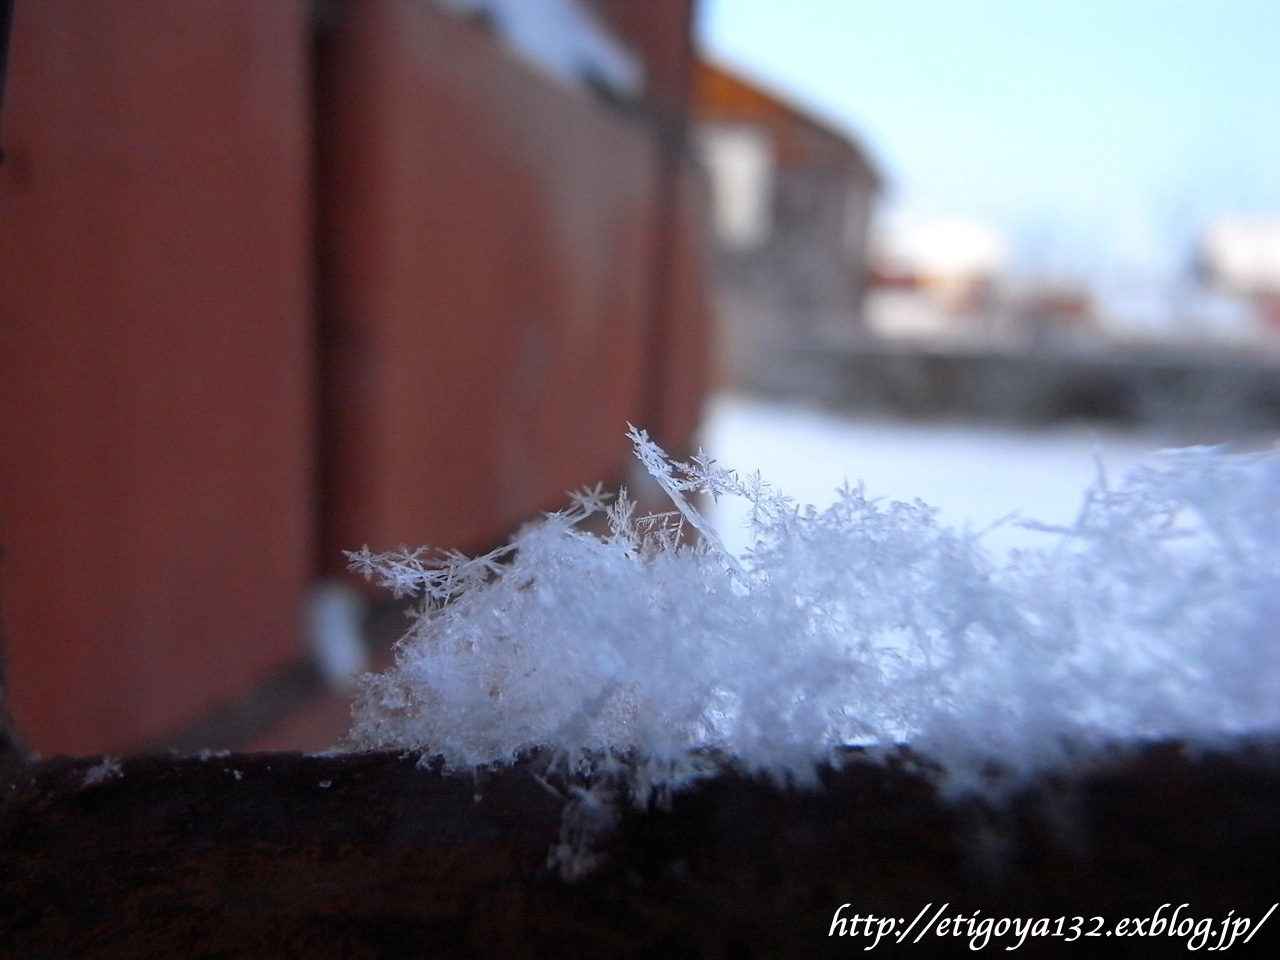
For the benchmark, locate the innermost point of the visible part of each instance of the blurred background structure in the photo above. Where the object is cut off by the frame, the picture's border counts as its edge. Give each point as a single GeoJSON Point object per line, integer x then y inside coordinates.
{"type": "Point", "coordinates": [1088, 184]}
{"type": "Point", "coordinates": [792, 199]}
{"type": "Point", "coordinates": [1066, 210]}
{"type": "Point", "coordinates": [282, 279]}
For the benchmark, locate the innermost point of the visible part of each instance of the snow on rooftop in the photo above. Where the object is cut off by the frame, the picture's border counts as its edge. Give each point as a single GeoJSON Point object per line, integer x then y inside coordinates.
{"type": "Point", "coordinates": [1244, 252]}
{"type": "Point", "coordinates": [563, 38]}
{"type": "Point", "coordinates": [945, 248]}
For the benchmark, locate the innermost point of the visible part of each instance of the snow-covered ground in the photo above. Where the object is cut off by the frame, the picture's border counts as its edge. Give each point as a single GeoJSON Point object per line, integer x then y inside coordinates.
{"type": "Point", "coordinates": [975, 476]}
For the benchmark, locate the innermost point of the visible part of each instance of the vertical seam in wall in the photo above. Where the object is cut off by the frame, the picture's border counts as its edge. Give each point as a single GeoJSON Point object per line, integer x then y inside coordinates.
{"type": "Point", "coordinates": [6, 28]}
{"type": "Point", "coordinates": [669, 133]}
{"type": "Point", "coordinates": [323, 20]}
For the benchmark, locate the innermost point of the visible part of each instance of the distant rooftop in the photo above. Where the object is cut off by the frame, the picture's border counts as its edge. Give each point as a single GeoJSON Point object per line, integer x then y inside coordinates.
{"type": "Point", "coordinates": [722, 94]}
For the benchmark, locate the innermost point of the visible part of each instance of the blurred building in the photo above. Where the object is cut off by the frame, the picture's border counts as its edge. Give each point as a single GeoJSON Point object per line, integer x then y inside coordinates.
{"type": "Point", "coordinates": [934, 280]}
{"type": "Point", "coordinates": [947, 283]}
{"type": "Point", "coordinates": [955, 261]}
{"type": "Point", "coordinates": [792, 200]}
{"type": "Point", "coordinates": [1241, 256]}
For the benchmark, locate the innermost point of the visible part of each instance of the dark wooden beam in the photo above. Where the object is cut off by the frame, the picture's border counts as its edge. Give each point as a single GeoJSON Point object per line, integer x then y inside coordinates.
{"type": "Point", "coordinates": [371, 855]}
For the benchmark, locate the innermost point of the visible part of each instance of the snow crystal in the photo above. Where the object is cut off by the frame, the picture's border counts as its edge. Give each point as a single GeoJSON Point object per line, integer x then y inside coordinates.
{"type": "Point", "coordinates": [641, 655]}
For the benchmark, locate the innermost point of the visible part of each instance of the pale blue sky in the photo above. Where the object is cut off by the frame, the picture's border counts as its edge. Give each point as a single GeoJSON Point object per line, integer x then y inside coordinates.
{"type": "Point", "coordinates": [1096, 133]}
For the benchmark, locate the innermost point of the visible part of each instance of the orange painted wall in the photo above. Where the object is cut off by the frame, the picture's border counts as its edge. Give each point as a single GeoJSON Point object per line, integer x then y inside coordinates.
{"type": "Point", "coordinates": [156, 410]}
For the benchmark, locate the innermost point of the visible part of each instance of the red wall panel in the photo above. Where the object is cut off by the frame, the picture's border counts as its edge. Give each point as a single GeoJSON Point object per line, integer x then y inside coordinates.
{"type": "Point", "coordinates": [681, 361]}
{"type": "Point", "coordinates": [661, 33]}
{"type": "Point", "coordinates": [487, 277]}
{"type": "Point", "coordinates": [678, 351]}
{"type": "Point", "coordinates": [155, 420]}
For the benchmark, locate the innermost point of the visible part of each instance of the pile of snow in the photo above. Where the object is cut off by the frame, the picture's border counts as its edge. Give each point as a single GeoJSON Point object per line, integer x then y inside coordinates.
{"type": "Point", "coordinates": [563, 38]}
{"type": "Point", "coordinates": [641, 655]}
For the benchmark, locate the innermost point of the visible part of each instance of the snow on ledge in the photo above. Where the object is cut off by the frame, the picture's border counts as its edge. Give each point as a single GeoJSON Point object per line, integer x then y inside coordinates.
{"type": "Point", "coordinates": [1155, 614]}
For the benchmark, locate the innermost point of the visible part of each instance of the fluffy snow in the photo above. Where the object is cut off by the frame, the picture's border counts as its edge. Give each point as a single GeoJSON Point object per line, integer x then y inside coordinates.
{"type": "Point", "coordinates": [1152, 612]}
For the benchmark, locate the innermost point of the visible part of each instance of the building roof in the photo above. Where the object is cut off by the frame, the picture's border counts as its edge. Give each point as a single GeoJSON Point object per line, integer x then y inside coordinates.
{"type": "Point", "coordinates": [800, 137]}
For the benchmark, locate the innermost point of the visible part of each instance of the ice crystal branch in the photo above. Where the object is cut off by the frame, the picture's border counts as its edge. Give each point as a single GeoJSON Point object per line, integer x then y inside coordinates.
{"type": "Point", "coordinates": [702, 475]}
